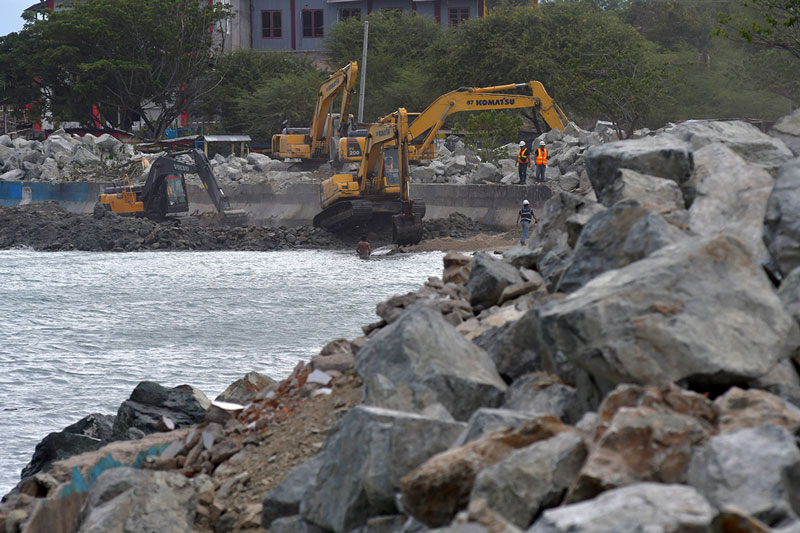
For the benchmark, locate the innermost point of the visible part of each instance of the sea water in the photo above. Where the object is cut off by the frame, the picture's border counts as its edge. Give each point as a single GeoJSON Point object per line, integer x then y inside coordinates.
{"type": "Point", "coordinates": [79, 330]}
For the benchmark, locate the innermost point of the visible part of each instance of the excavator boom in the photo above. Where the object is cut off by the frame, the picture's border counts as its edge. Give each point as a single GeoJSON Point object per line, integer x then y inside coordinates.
{"type": "Point", "coordinates": [425, 126]}
{"type": "Point", "coordinates": [314, 143]}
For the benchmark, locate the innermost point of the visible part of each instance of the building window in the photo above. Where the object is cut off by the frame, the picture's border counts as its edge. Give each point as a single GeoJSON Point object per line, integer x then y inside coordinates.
{"type": "Point", "coordinates": [347, 12]}
{"type": "Point", "coordinates": [270, 24]}
{"type": "Point", "coordinates": [312, 23]}
{"type": "Point", "coordinates": [458, 15]}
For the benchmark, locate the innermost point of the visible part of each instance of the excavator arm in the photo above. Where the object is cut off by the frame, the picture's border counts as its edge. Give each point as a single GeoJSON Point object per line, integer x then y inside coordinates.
{"type": "Point", "coordinates": [424, 126]}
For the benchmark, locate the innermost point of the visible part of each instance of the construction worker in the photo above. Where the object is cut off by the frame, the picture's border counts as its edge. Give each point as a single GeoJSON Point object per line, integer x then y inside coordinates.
{"type": "Point", "coordinates": [541, 162]}
{"type": "Point", "coordinates": [522, 162]}
{"type": "Point", "coordinates": [526, 215]}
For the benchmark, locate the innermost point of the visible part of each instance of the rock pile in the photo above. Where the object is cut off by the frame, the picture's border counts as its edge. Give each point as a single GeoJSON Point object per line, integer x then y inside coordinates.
{"type": "Point", "coordinates": [657, 389]}
{"type": "Point", "coordinates": [49, 227]}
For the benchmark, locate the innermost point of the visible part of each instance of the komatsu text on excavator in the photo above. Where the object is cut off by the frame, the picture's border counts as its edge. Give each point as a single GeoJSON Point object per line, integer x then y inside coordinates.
{"type": "Point", "coordinates": [380, 188]}
{"type": "Point", "coordinates": [165, 193]}
{"type": "Point", "coordinates": [314, 143]}
{"type": "Point", "coordinates": [424, 127]}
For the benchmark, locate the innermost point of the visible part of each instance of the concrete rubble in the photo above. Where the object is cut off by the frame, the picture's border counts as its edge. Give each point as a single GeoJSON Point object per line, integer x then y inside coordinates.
{"type": "Point", "coordinates": [570, 386]}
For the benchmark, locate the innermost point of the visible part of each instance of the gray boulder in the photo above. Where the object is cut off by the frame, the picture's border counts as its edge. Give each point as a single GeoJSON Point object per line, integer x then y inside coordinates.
{"type": "Point", "coordinates": [782, 221]}
{"type": "Point", "coordinates": [531, 479]}
{"type": "Point", "coordinates": [13, 175]}
{"type": "Point", "coordinates": [109, 143]}
{"type": "Point", "coordinates": [641, 507]}
{"type": "Point", "coordinates": [743, 138]}
{"type": "Point", "coordinates": [85, 157]}
{"type": "Point", "coordinates": [657, 194]}
{"type": "Point", "coordinates": [487, 419]}
{"type": "Point", "coordinates": [539, 392]}
{"type": "Point", "coordinates": [731, 196]}
{"type": "Point", "coordinates": [553, 265]}
{"type": "Point", "coordinates": [149, 402]}
{"type": "Point", "coordinates": [615, 238]}
{"type": "Point", "coordinates": [284, 500]}
{"type": "Point", "coordinates": [488, 277]}
{"type": "Point", "coordinates": [487, 172]}
{"type": "Point", "coordinates": [420, 361]}
{"type": "Point", "coordinates": [663, 156]}
{"type": "Point", "coordinates": [520, 257]}
{"type": "Point", "coordinates": [50, 171]}
{"type": "Point", "coordinates": [569, 181]}
{"type": "Point", "coordinates": [745, 468]}
{"type": "Point", "coordinates": [87, 434]}
{"type": "Point", "coordinates": [139, 501]}
{"type": "Point", "coordinates": [365, 455]}
{"type": "Point", "coordinates": [787, 129]}
{"type": "Point", "coordinates": [560, 221]}
{"type": "Point", "coordinates": [293, 524]}
{"type": "Point", "coordinates": [673, 316]}
{"type": "Point", "coordinates": [423, 174]}
{"type": "Point", "coordinates": [56, 144]}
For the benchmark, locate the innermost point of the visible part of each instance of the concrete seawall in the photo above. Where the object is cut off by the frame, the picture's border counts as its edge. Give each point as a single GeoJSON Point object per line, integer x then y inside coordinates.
{"type": "Point", "coordinates": [296, 204]}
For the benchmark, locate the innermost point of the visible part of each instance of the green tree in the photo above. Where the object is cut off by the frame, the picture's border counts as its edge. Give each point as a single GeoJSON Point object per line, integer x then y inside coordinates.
{"type": "Point", "coordinates": [486, 132]}
{"type": "Point", "coordinates": [770, 24]}
{"type": "Point", "coordinates": [153, 59]}
{"type": "Point", "coordinates": [289, 97]}
{"type": "Point", "coordinates": [245, 72]}
{"type": "Point", "coordinates": [399, 48]}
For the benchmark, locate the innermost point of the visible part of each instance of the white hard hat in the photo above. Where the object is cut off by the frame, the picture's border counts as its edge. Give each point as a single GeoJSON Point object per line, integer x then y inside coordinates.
{"type": "Point", "coordinates": [541, 143]}
{"type": "Point", "coordinates": [522, 143]}
{"type": "Point", "coordinates": [525, 202]}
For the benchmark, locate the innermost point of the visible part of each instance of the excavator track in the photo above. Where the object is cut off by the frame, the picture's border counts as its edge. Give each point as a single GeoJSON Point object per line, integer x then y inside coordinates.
{"type": "Point", "coordinates": [343, 214]}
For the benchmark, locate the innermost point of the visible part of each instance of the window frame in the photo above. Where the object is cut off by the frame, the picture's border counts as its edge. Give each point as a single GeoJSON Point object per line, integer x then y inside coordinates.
{"type": "Point", "coordinates": [271, 13]}
{"type": "Point", "coordinates": [312, 13]}
{"type": "Point", "coordinates": [459, 11]}
{"type": "Point", "coordinates": [351, 12]}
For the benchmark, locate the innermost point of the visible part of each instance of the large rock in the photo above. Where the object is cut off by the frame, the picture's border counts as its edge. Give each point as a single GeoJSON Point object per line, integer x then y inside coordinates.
{"type": "Point", "coordinates": [139, 501]}
{"type": "Point", "coordinates": [420, 361]}
{"type": "Point", "coordinates": [745, 139]}
{"type": "Point", "coordinates": [540, 392]}
{"type": "Point", "coordinates": [56, 144]}
{"type": "Point", "coordinates": [109, 143]}
{"type": "Point", "coordinates": [435, 491]}
{"type": "Point", "coordinates": [149, 402]}
{"type": "Point", "coordinates": [87, 434]}
{"type": "Point", "coordinates": [615, 238]}
{"type": "Point", "coordinates": [488, 277]}
{"type": "Point", "coordinates": [663, 156]}
{"type": "Point", "coordinates": [487, 172]}
{"type": "Point", "coordinates": [656, 194]}
{"type": "Point", "coordinates": [782, 221]}
{"type": "Point", "coordinates": [642, 507]}
{"type": "Point", "coordinates": [673, 316]}
{"type": "Point", "coordinates": [50, 171]}
{"type": "Point", "coordinates": [787, 129]}
{"type": "Point", "coordinates": [84, 157]}
{"type": "Point", "coordinates": [731, 196]}
{"type": "Point", "coordinates": [531, 479]}
{"type": "Point", "coordinates": [745, 468]}
{"type": "Point", "coordinates": [364, 457]}
{"type": "Point", "coordinates": [752, 408]}
{"type": "Point", "coordinates": [487, 419]}
{"type": "Point", "coordinates": [243, 390]}
{"type": "Point", "coordinates": [423, 174]}
{"type": "Point", "coordinates": [284, 500]}
{"type": "Point", "coordinates": [557, 220]}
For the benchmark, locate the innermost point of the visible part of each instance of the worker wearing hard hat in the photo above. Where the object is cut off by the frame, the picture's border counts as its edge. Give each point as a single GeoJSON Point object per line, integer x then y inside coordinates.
{"type": "Point", "coordinates": [522, 162]}
{"type": "Point", "coordinates": [541, 162]}
{"type": "Point", "coordinates": [526, 216]}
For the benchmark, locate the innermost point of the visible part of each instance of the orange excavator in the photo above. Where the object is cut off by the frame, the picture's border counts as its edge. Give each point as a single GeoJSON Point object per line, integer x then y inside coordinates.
{"type": "Point", "coordinates": [314, 143]}
{"type": "Point", "coordinates": [424, 126]}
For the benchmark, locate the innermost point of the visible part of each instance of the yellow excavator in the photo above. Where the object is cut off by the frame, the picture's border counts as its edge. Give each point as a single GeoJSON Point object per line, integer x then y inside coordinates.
{"type": "Point", "coordinates": [425, 126]}
{"type": "Point", "coordinates": [314, 143]}
{"type": "Point", "coordinates": [378, 189]}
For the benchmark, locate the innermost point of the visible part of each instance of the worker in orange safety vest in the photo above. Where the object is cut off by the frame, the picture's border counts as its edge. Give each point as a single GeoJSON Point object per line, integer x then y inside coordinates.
{"type": "Point", "coordinates": [541, 162]}
{"type": "Point", "coordinates": [522, 162]}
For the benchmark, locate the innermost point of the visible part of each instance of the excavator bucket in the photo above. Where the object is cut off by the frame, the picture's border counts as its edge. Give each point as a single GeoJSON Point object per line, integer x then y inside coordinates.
{"type": "Point", "coordinates": [406, 229]}
{"type": "Point", "coordinates": [234, 217]}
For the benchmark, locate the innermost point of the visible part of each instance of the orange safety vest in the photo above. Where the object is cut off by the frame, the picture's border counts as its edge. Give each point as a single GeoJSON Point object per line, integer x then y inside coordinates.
{"type": "Point", "coordinates": [541, 156]}
{"type": "Point", "coordinates": [522, 156]}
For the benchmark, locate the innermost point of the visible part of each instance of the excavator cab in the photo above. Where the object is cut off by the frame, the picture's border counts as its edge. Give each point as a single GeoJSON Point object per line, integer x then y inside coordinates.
{"type": "Point", "coordinates": [176, 196]}
{"type": "Point", "coordinates": [391, 167]}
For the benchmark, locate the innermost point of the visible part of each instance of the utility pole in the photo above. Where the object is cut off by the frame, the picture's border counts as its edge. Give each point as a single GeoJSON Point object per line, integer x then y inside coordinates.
{"type": "Point", "coordinates": [363, 75]}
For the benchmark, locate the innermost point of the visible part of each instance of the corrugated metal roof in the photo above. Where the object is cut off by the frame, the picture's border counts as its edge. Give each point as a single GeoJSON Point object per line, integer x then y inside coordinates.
{"type": "Point", "coordinates": [226, 138]}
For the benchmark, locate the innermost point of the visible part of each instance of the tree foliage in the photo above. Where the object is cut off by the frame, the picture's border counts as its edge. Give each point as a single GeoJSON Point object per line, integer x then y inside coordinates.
{"type": "Point", "coordinates": [770, 24]}
{"type": "Point", "coordinates": [486, 132]}
{"type": "Point", "coordinates": [398, 50]}
{"type": "Point", "coordinates": [126, 57]}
